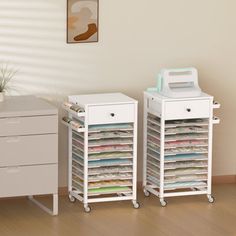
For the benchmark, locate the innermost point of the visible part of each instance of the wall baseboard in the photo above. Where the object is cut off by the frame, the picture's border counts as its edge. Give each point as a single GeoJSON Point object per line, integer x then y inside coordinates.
{"type": "Point", "coordinates": [62, 191]}
{"type": "Point", "coordinates": [222, 179]}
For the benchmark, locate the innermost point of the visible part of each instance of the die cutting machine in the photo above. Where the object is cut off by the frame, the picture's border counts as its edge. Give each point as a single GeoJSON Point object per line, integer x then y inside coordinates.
{"type": "Point", "coordinates": [178, 83]}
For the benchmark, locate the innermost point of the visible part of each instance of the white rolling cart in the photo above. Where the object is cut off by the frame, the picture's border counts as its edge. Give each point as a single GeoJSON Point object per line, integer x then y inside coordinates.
{"type": "Point", "coordinates": [178, 134]}
{"type": "Point", "coordinates": [102, 148]}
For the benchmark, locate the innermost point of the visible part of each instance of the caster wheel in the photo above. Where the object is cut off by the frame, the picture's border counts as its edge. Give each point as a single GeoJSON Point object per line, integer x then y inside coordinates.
{"type": "Point", "coordinates": [87, 209]}
{"type": "Point", "coordinates": [146, 193]}
{"type": "Point", "coordinates": [72, 199]}
{"type": "Point", "coordinates": [163, 203]}
{"type": "Point", "coordinates": [211, 199]}
{"type": "Point", "coordinates": [136, 205]}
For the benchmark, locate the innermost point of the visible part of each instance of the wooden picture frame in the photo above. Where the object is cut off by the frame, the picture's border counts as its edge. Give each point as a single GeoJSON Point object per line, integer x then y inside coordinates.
{"type": "Point", "coordinates": [82, 21]}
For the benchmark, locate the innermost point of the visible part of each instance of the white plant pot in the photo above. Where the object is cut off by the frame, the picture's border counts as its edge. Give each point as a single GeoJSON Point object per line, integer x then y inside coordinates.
{"type": "Point", "coordinates": [2, 96]}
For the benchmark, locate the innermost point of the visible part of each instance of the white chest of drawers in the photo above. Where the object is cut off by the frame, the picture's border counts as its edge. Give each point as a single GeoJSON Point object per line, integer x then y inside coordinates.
{"type": "Point", "coordinates": [29, 149]}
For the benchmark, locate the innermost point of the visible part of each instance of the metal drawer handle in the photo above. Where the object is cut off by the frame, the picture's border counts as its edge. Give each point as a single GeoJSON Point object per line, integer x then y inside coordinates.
{"type": "Point", "coordinates": [188, 110]}
{"type": "Point", "coordinates": [112, 114]}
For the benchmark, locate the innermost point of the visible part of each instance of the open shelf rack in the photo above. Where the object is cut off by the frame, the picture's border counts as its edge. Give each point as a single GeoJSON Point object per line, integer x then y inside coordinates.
{"type": "Point", "coordinates": [177, 152]}
{"type": "Point", "coordinates": [102, 149]}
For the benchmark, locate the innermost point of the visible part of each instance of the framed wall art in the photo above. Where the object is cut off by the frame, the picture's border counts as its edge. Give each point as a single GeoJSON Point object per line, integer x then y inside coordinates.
{"type": "Point", "coordinates": [82, 21]}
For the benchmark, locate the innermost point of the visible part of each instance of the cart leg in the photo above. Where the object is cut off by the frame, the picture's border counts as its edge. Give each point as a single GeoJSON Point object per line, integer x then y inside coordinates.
{"type": "Point", "coordinates": [146, 192]}
{"type": "Point", "coordinates": [71, 198]}
{"type": "Point", "coordinates": [87, 208]}
{"type": "Point", "coordinates": [136, 204]}
{"type": "Point", "coordinates": [211, 199]}
{"type": "Point", "coordinates": [163, 202]}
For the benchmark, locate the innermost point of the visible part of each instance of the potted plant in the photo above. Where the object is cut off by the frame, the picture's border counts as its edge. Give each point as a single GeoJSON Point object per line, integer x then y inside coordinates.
{"type": "Point", "coordinates": [6, 74]}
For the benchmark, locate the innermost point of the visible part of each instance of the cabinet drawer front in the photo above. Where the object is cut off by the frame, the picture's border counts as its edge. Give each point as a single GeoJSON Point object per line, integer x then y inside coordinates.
{"type": "Point", "coordinates": [109, 114]}
{"type": "Point", "coordinates": [28, 180]}
{"type": "Point", "coordinates": [187, 109]}
{"type": "Point", "coordinates": [28, 125]}
{"type": "Point", "coordinates": [28, 150]}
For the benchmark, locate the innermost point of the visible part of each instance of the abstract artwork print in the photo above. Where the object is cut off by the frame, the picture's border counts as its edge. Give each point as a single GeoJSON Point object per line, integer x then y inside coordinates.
{"type": "Point", "coordinates": [82, 21]}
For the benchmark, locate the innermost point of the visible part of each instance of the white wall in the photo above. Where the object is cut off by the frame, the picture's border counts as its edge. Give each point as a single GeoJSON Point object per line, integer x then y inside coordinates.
{"type": "Point", "coordinates": [137, 39]}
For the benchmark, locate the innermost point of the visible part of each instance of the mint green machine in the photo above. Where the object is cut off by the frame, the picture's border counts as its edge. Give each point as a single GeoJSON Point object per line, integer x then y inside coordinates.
{"type": "Point", "coordinates": [177, 83]}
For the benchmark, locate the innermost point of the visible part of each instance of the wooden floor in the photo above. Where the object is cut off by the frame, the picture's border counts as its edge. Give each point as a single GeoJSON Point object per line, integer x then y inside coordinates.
{"type": "Point", "coordinates": [183, 216]}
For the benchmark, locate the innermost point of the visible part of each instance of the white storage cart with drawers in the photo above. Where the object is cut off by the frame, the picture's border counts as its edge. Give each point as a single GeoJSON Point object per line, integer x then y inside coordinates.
{"type": "Point", "coordinates": [178, 145]}
{"type": "Point", "coordinates": [102, 148]}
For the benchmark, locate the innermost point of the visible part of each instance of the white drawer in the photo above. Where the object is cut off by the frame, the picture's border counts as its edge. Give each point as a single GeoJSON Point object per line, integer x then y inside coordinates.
{"type": "Point", "coordinates": [187, 109]}
{"type": "Point", "coordinates": [28, 180]}
{"type": "Point", "coordinates": [109, 114]}
{"type": "Point", "coordinates": [28, 125]}
{"type": "Point", "coordinates": [28, 150]}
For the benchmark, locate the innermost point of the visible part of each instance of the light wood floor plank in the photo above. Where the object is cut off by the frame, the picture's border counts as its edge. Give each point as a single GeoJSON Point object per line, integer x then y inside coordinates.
{"type": "Point", "coordinates": [183, 216]}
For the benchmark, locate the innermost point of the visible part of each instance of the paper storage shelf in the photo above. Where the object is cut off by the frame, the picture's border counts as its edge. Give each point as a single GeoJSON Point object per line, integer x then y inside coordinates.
{"type": "Point", "coordinates": [178, 145]}
{"type": "Point", "coordinates": [102, 148]}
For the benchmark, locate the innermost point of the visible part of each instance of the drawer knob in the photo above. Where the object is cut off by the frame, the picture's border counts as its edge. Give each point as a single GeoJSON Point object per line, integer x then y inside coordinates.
{"type": "Point", "coordinates": [112, 114]}
{"type": "Point", "coordinates": [188, 110]}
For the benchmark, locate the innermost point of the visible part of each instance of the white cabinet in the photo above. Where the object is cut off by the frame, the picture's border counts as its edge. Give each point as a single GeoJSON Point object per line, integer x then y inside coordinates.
{"type": "Point", "coordinates": [102, 148]}
{"type": "Point", "coordinates": [178, 145]}
{"type": "Point", "coordinates": [29, 149]}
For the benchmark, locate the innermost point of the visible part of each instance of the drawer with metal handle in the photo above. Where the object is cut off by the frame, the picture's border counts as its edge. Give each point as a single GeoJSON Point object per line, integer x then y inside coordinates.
{"type": "Point", "coordinates": [188, 109]}
{"type": "Point", "coordinates": [108, 114]}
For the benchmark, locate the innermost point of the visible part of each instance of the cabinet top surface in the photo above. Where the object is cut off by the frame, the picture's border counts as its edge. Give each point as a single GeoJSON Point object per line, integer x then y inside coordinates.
{"type": "Point", "coordinates": [163, 98]}
{"type": "Point", "coordinates": [101, 99]}
{"type": "Point", "coordinates": [25, 106]}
